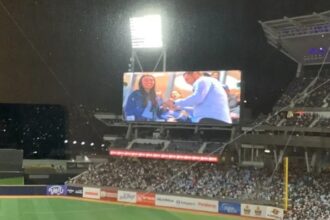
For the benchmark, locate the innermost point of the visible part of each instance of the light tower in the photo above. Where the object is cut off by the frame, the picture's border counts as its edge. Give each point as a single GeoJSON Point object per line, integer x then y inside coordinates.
{"type": "Point", "coordinates": [146, 33]}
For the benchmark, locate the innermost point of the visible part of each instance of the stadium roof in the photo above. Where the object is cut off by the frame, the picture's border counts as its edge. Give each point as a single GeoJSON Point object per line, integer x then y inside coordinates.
{"type": "Point", "coordinates": [305, 39]}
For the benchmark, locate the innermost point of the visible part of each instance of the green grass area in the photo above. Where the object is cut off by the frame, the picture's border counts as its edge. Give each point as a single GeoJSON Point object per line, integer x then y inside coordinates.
{"type": "Point", "coordinates": [67, 209]}
{"type": "Point", "coordinates": [12, 181]}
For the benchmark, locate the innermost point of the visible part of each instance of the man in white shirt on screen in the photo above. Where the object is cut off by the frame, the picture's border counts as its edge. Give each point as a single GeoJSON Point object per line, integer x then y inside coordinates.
{"type": "Point", "coordinates": [209, 100]}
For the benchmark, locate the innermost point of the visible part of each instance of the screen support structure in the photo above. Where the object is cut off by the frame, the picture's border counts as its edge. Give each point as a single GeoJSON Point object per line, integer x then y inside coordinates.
{"type": "Point", "coordinates": [135, 60]}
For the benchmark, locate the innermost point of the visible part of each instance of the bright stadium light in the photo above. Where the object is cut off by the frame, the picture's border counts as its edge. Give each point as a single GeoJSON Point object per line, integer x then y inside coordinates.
{"type": "Point", "coordinates": [146, 32]}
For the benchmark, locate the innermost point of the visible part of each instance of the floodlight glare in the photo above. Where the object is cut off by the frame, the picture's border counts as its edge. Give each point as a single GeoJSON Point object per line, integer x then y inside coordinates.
{"type": "Point", "coordinates": [146, 32]}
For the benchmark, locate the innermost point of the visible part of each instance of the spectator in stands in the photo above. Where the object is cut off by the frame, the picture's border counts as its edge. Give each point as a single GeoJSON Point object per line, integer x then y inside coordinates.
{"type": "Point", "coordinates": [215, 75]}
{"type": "Point", "coordinates": [209, 100]}
{"type": "Point", "coordinates": [233, 102]}
{"type": "Point", "coordinates": [175, 115]}
{"type": "Point", "coordinates": [143, 104]}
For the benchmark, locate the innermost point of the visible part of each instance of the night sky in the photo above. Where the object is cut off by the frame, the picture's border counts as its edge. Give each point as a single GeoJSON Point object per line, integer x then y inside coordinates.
{"type": "Point", "coordinates": [73, 52]}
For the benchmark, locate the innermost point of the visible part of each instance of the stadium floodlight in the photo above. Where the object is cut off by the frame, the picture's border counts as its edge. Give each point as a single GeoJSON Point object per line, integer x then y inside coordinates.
{"type": "Point", "coordinates": [146, 32]}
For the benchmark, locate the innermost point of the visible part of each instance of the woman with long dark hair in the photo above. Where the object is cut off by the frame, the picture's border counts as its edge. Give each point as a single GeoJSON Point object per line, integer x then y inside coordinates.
{"type": "Point", "coordinates": [142, 104]}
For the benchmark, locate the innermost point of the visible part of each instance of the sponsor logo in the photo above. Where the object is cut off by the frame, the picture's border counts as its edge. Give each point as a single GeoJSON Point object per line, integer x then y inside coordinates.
{"type": "Point", "coordinates": [187, 203]}
{"type": "Point", "coordinates": [247, 210]}
{"type": "Point", "coordinates": [91, 193]}
{"type": "Point", "coordinates": [108, 194]}
{"type": "Point", "coordinates": [146, 198]}
{"type": "Point", "coordinates": [275, 211]}
{"type": "Point", "coordinates": [127, 196]}
{"type": "Point", "coordinates": [161, 199]}
{"type": "Point", "coordinates": [230, 208]}
{"type": "Point", "coordinates": [74, 191]}
{"type": "Point", "coordinates": [56, 190]}
{"type": "Point", "coordinates": [150, 198]}
{"type": "Point", "coordinates": [257, 211]}
{"type": "Point", "coordinates": [208, 205]}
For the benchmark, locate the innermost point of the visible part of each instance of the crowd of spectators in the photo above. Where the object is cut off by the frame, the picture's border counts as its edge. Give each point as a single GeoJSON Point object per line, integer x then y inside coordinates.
{"type": "Point", "coordinates": [202, 179]}
{"type": "Point", "coordinates": [309, 90]}
{"type": "Point", "coordinates": [184, 146]}
{"type": "Point", "coordinates": [310, 119]}
{"type": "Point", "coordinates": [214, 147]}
{"type": "Point", "coordinates": [147, 146]}
{"type": "Point", "coordinates": [300, 120]}
{"type": "Point", "coordinates": [294, 88]}
{"type": "Point", "coordinates": [316, 95]}
{"type": "Point", "coordinates": [292, 119]}
{"type": "Point", "coordinates": [323, 123]}
{"type": "Point", "coordinates": [274, 120]}
{"type": "Point", "coordinates": [310, 195]}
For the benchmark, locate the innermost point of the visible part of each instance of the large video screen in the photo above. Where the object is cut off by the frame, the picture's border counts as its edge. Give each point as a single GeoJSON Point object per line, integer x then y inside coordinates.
{"type": "Point", "coordinates": [205, 97]}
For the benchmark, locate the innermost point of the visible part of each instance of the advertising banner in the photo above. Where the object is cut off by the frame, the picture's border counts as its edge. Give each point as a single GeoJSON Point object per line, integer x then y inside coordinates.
{"type": "Point", "coordinates": [91, 193]}
{"type": "Point", "coordinates": [56, 190]}
{"type": "Point", "coordinates": [76, 191]}
{"type": "Point", "coordinates": [109, 194]}
{"type": "Point", "coordinates": [146, 198]}
{"type": "Point", "coordinates": [253, 210]}
{"type": "Point", "coordinates": [125, 196]}
{"type": "Point", "coordinates": [274, 213]}
{"type": "Point", "coordinates": [187, 203]}
{"type": "Point", "coordinates": [230, 208]}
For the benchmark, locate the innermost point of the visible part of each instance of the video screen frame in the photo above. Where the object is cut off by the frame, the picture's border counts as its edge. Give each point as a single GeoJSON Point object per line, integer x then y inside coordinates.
{"type": "Point", "coordinates": [174, 86]}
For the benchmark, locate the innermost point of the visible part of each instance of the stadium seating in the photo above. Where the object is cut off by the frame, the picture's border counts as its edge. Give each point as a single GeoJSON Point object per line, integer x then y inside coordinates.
{"type": "Point", "coordinates": [184, 146]}
{"type": "Point", "coordinates": [309, 193]}
{"type": "Point", "coordinates": [308, 90]}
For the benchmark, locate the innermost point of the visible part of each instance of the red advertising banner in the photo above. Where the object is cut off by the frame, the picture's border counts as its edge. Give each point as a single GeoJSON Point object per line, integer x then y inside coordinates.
{"type": "Point", "coordinates": [146, 198]}
{"type": "Point", "coordinates": [109, 194]}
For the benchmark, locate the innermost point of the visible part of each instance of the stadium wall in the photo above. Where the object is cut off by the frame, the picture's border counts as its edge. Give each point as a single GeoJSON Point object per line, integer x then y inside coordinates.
{"type": "Point", "coordinates": [148, 199]}
{"type": "Point", "coordinates": [177, 202]}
